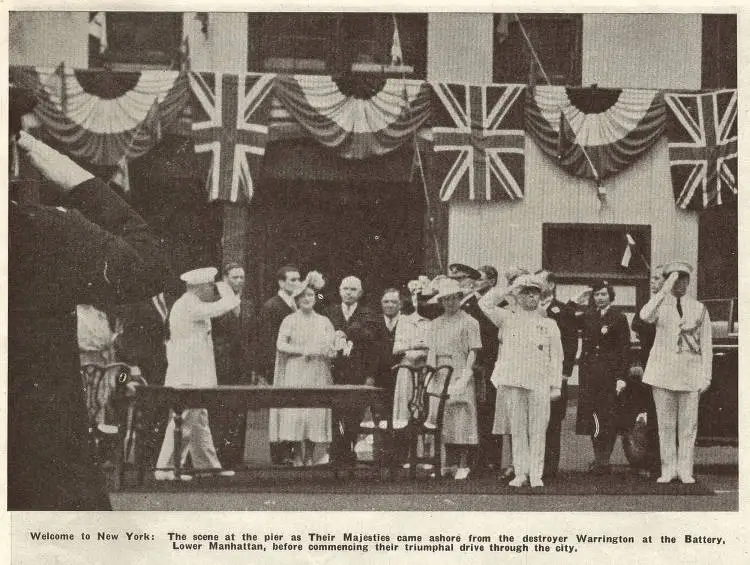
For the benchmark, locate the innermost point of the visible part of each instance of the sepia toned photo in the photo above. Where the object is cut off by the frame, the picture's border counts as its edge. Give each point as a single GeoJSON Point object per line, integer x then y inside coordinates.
{"type": "Point", "coordinates": [369, 261]}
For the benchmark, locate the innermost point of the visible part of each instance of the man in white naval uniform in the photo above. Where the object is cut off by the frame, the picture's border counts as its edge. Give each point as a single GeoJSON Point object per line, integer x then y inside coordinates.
{"type": "Point", "coordinates": [678, 369]}
{"type": "Point", "coordinates": [190, 354]}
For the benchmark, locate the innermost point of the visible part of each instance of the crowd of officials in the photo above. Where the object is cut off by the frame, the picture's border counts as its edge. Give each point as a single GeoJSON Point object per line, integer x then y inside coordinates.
{"type": "Point", "coordinates": [512, 347]}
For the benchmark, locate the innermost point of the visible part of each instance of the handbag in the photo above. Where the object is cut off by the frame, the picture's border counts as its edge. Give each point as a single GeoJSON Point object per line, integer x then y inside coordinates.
{"type": "Point", "coordinates": [458, 390]}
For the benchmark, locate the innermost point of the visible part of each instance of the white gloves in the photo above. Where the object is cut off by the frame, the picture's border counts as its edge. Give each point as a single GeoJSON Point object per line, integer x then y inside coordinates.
{"type": "Point", "coordinates": [53, 165]}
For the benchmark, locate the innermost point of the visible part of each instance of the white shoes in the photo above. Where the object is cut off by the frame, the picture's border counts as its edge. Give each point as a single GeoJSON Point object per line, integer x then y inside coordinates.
{"type": "Point", "coordinates": [536, 483]}
{"type": "Point", "coordinates": [170, 476]}
{"type": "Point", "coordinates": [664, 479]}
{"type": "Point", "coordinates": [687, 480]}
{"type": "Point", "coordinates": [518, 481]}
{"type": "Point", "coordinates": [462, 473]}
{"type": "Point", "coordinates": [448, 471]}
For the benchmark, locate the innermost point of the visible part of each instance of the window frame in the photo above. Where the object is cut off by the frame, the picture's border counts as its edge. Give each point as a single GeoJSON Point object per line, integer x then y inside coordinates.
{"type": "Point", "coordinates": [137, 59]}
{"type": "Point", "coordinates": [528, 20]}
{"type": "Point", "coordinates": [337, 61]}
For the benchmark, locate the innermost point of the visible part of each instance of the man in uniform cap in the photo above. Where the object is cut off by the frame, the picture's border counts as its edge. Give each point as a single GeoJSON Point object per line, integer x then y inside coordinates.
{"type": "Point", "coordinates": [678, 369]}
{"type": "Point", "coordinates": [529, 368]}
{"type": "Point", "coordinates": [93, 249]}
{"type": "Point", "coordinates": [464, 274]}
{"type": "Point", "coordinates": [190, 354]}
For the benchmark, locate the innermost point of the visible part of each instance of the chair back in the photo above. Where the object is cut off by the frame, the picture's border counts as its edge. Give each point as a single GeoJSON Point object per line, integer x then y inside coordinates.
{"type": "Point", "coordinates": [427, 383]}
{"type": "Point", "coordinates": [101, 383]}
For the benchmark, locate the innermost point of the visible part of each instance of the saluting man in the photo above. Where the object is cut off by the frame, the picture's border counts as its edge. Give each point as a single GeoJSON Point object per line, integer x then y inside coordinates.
{"type": "Point", "coordinates": [190, 353]}
{"type": "Point", "coordinates": [679, 369]}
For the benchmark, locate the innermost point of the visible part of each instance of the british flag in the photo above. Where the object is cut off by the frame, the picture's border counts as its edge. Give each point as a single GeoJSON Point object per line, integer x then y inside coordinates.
{"type": "Point", "coordinates": [230, 121]}
{"type": "Point", "coordinates": [702, 134]}
{"type": "Point", "coordinates": [480, 131]}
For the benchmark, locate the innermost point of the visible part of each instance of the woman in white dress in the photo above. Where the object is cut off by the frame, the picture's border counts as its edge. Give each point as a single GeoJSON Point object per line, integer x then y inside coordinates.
{"type": "Point", "coordinates": [303, 359]}
{"type": "Point", "coordinates": [453, 340]}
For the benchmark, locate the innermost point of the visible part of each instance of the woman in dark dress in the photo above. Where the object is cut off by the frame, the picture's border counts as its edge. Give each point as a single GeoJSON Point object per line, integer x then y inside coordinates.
{"type": "Point", "coordinates": [603, 370]}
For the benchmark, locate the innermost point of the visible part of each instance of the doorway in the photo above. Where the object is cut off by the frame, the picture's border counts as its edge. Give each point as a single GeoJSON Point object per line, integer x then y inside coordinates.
{"type": "Point", "coordinates": [370, 229]}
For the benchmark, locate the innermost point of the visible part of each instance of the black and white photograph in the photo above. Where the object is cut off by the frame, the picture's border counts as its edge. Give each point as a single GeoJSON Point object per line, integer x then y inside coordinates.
{"type": "Point", "coordinates": [369, 262]}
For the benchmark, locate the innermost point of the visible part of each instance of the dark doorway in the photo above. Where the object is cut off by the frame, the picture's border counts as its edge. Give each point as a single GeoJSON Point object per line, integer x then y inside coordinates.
{"type": "Point", "coordinates": [370, 229]}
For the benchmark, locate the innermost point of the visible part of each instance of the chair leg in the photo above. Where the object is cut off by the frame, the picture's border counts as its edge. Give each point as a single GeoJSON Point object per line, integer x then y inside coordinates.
{"type": "Point", "coordinates": [437, 455]}
{"type": "Point", "coordinates": [413, 443]}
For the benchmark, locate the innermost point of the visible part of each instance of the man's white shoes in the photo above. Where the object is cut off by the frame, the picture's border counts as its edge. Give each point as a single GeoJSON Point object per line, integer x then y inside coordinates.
{"type": "Point", "coordinates": [518, 481]}
{"type": "Point", "coordinates": [170, 476]}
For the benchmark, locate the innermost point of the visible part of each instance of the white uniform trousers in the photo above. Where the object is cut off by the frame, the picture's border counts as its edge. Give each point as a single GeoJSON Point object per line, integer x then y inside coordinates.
{"type": "Point", "coordinates": [196, 438]}
{"type": "Point", "coordinates": [677, 415]}
{"type": "Point", "coordinates": [529, 415]}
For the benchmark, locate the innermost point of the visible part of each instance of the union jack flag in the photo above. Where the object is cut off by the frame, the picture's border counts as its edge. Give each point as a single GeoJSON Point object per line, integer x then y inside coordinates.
{"type": "Point", "coordinates": [230, 121]}
{"type": "Point", "coordinates": [481, 127]}
{"type": "Point", "coordinates": [702, 134]}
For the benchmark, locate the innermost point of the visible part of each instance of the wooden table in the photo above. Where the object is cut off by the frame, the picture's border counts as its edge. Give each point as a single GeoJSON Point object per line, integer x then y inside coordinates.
{"type": "Point", "coordinates": [243, 398]}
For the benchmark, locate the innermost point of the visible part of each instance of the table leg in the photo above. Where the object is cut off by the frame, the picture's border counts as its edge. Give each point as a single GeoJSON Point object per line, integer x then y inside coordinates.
{"type": "Point", "coordinates": [177, 441]}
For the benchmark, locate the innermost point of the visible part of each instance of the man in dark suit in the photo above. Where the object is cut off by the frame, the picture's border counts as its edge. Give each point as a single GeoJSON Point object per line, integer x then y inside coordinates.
{"type": "Point", "coordinates": [92, 249]}
{"type": "Point", "coordinates": [234, 339]}
{"type": "Point", "coordinates": [490, 451]}
{"type": "Point", "coordinates": [566, 316]}
{"type": "Point", "coordinates": [273, 312]}
{"type": "Point", "coordinates": [384, 334]}
{"type": "Point", "coordinates": [353, 364]}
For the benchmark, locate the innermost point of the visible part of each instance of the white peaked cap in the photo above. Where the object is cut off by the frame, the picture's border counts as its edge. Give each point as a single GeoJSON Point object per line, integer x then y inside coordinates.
{"type": "Point", "coordinates": [200, 276]}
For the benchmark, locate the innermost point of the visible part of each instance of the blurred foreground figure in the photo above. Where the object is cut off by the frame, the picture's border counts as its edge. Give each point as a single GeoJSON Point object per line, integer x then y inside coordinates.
{"type": "Point", "coordinates": [95, 249]}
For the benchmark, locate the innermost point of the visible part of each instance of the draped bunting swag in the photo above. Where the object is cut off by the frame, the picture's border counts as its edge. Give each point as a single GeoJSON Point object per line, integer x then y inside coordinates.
{"type": "Point", "coordinates": [702, 135]}
{"type": "Point", "coordinates": [478, 140]}
{"type": "Point", "coordinates": [103, 117]}
{"type": "Point", "coordinates": [615, 132]}
{"type": "Point", "coordinates": [476, 133]}
{"type": "Point", "coordinates": [357, 128]}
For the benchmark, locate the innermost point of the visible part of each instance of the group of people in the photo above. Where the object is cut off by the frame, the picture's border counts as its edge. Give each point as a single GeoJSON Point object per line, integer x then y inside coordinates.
{"type": "Point", "coordinates": [512, 349]}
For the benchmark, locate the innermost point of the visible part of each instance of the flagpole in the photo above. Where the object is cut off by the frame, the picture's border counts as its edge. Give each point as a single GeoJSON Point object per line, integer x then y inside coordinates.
{"type": "Point", "coordinates": [549, 83]}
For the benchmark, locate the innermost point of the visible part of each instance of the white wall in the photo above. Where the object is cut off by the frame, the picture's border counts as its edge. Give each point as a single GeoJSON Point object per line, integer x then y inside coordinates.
{"type": "Point", "coordinates": [642, 50]}
{"type": "Point", "coordinates": [508, 234]}
{"type": "Point", "coordinates": [223, 48]}
{"type": "Point", "coordinates": [459, 47]}
{"type": "Point", "coordinates": [45, 39]}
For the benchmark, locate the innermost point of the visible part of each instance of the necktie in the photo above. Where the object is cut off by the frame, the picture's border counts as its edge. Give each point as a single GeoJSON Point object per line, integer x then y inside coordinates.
{"type": "Point", "coordinates": [679, 307]}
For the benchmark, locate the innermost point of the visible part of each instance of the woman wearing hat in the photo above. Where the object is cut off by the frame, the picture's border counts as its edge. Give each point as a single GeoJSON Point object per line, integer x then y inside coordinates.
{"type": "Point", "coordinates": [678, 369]}
{"type": "Point", "coordinates": [305, 347]}
{"type": "Point", "coordinates": [603, 370]}
{"type": "Point", "coordinates": [454, 339]}
{"type": "Point", "coordinates": [528, 370]}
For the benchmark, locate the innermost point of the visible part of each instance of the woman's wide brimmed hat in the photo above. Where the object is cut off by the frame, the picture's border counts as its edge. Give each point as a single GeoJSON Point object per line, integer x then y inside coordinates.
{"type": "Point", "coordinates": [447, 287]}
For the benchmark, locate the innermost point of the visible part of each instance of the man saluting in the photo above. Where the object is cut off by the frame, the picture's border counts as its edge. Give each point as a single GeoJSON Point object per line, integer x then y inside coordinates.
{"type": "Point", "coordinates": [190, 353]}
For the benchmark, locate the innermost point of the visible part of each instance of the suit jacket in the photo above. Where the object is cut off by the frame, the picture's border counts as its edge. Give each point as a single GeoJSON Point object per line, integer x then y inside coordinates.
{"type": "Point", "coordinates": [382, 353]}
{"type": "Point", "coordinates": [488, 331]}
{"type": "Point", "coordinates": [95, 250]}
{"type": "Point", "coordinates": [360, 330]}
{"type": "Point", "coordinates": [565, 317]}
{"type": "Point", "coordinates": [142, 340]}
{"type": "Point", "coordinates": [272, 314]}
{"type": "Point", "coordinates": [234, 341]}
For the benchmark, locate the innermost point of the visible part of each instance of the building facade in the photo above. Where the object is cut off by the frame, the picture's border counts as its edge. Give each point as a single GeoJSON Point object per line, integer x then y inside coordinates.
{"type": "Point", "coordinates": [371, 216]}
